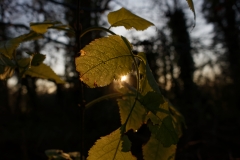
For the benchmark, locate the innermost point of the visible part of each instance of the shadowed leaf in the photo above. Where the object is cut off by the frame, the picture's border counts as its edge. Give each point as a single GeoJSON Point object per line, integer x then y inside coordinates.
{"type": "Point", "coordinates": [152, 101]}
{"type": "Point", "coordinates": [154, 150]}
{"type": "Point", "coordinates": [165, 132]}
{"type": "Point", "coordinates": [9, 46]}
{"type": "Point", "coordinates": [38, 59]}
{"type": "Point", "coordinates": [126, 144]}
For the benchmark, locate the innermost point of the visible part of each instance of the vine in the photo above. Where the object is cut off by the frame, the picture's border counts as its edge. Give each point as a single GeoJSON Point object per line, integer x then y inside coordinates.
{"type": "Point", "coordinates": [102, 61]}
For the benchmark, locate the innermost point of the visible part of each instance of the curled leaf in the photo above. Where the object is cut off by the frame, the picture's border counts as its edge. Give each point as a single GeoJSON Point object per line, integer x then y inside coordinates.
{"type": "Point", "coordinates": [127, 19]}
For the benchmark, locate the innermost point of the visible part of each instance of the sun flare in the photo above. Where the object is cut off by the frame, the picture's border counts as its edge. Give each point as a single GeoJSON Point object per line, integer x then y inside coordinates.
{"type": "Point", "coordinates": [123, 78]}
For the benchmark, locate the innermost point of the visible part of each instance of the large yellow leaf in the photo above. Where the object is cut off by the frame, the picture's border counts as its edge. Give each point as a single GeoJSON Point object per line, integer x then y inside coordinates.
{"type": "Point", "coordinates": [104, 60]}
{"type": "Point", "coordinates": [109, 148]}
{"type": "Point", "coordinates": [127, 19]}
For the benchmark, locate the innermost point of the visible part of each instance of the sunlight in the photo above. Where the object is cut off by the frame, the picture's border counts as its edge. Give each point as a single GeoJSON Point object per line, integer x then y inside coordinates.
{"type": "Point", "coordinates": [123, 78]}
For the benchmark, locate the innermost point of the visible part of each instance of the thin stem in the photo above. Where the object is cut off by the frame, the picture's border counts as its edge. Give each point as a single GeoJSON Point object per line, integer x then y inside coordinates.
{"type": "Point", "coordinates": [117, 148]}
{"type": "Point", "coordinates": [82, 102]}
{"type": "Point", "coordinates": [137, 93]}
{"type": "Point", "coordinates": [95, 29]}
{"type": "Point", "coordinates": [138, 76]}
{"type": "Point", "coordinates": [113, 95]}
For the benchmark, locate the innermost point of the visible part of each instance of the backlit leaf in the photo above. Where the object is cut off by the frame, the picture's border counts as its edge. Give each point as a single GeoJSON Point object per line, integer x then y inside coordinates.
{"type": "Point", "coordinates": [104, 60]}
{"type": "Point", "coordinates": [136, 118]}
{"type": "Point", "coordinates": [43, 71]}
{"type": "Point", "coordinates": [109, 148]}
{"type": "Point", "coordinates": [154, 150]}
{"type": "Point", "coordinates": [42, 26]}
{"type": "Point", "coordinates": [123, 17]}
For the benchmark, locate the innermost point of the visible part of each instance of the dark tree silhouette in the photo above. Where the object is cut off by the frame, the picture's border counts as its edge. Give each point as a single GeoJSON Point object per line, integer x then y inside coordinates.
{"type": "Point", "coordinates": [224, 15]}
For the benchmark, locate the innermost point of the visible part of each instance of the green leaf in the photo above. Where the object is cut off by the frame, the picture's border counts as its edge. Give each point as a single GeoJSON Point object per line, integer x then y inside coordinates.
{"type": "Point", "coordinates": [154, 150]}
{"type": "Point", "coordinates": [152, 101]}
{"type": "Point", "coordinates": [191, 6]}
{"type": "Point", "coordinates": [123, 17]}
{"type": "Point", "coordinates": [136, 118]}
{"type": "Point", "coordinates": [42, 26]}
{"type": "Point", "coordinates": [109, 148]}
{"type": "Point", "coordinates": [43, 71]}
{"type": "Point", "coordinates": [104, 60]}
{"type": "Point", "coordinates": [126, 144]}
{"type": "Point", "coordinates": [38, 59]}
{"type": "Point", "coordinates": [24, 62]}
{"type": "Point", "coordinates": [8, 47]}
{"type": "Point", "coordinates": [165, 132]}
{"type": "Point", "coordinates": [156, 118]}
{"type": "Point", "coordinates": [34, 60]}
{"type": "Point", "coordinates": [147, 81]}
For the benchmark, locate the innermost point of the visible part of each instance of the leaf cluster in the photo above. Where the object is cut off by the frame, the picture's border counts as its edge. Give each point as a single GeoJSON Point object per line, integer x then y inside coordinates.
{"type": "Point", "coordinates": [32, 66]}
{"type": "Point", "coordinates": [102, 61]}
{"type": "Point", "coordinates": [107, 59]}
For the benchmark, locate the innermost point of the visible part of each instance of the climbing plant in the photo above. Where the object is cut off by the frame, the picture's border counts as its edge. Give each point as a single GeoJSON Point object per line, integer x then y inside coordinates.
{"type": "Point", "coordinates": [101, 62]}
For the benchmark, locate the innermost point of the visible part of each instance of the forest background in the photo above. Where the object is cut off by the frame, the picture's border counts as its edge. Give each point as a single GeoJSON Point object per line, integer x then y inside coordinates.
{"type": "Point", "coordinates": [197, 69]}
